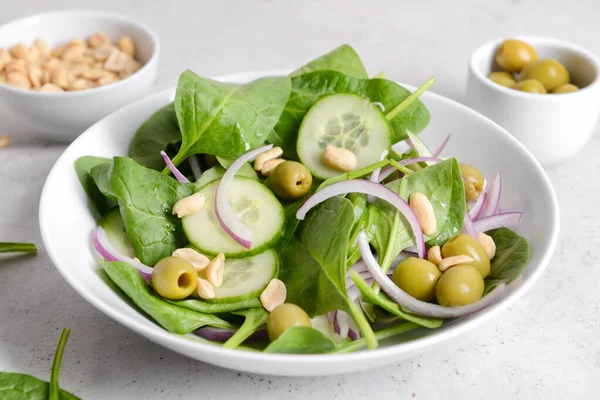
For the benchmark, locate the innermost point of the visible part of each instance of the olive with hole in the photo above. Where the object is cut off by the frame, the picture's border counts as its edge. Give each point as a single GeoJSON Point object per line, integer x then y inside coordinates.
{"type": "Point", "coordinates": [566, 88]}
{"type": "Point", "coordinates": [174, 278]}
{"type": "Point", "coordinates": [503, 78]}
{"type": "Point", "coordinates": [284, 317]}
{"type": "Point", "coordinates": [417, 277]}
{"type": "Point", "coordinates": [531, 86]}
{"type": "Point", "coordinates": [459, 286]}
{"type": "Point", "coordinates": [290, 181]}
{"type": "Point", "coordinates": [473, 181]}
{"type": "Point", "coordinates": [466, 245]}
{"type": "Point", "coordinates": [513, 55]}
{"type": "Point", "coordinates": [547, 71]}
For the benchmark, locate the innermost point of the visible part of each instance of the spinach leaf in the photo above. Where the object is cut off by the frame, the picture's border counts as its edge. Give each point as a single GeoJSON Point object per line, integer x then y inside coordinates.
{"type": "Point", "coordinates": [311, 87]}
{"type": "Point", "coordinates": [102, 176]}
{"type": "Point", "coordinates": [301, 340]}
{"type": "Point", "coordinates": [217, 172]}
{"type": "Point", "coordinates": [369, 295]}
{"type": "Point", "coordinates": [12, 247]}
{"type": "Point", "coordinates": [56, 363]}
{"type": "Point", "coordinates": [290, 225]}
{"type": "Point", "coordinates": [254, 319]}
{"type": "Point", "coordinates": [172, 318]}
{"type": "Point", "coordinates": [215, 308]}
{"type": "Point", "coordinates": [442, 184]}
{"type": "Point", "coordinates": [146, 198]}
{"type": "Point", "coordinates": [226, 119]}
{"type": "Point", "coordinates": [83, 168]}
{"type": "Point", "coordinates": [341, 59]}
{"type": "Point", "coordinates": [314, 264]}
{"type": "Point", "coordinates": [154, 136]}
{"type": "Point", "coordinates": [512, 255]}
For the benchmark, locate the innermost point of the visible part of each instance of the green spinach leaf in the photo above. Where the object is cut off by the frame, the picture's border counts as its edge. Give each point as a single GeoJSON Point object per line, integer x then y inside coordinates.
{"type": "Point", "coordinates": [254, 319]}
{"type": "Point", "coordinates": [301, 340]}
{"type": "Point", "coordinates": [349, 347]}
{"type": "Point", "coordinates": [215, 308]}
{"type": "Point", "coordinates": [342, 59]}
{"type": "Point", "coordinates": [154, 136]}
{"type": "Point", "coordinates": [102, 176]}
{"type": "Point", "coordinates": [83, 168]}
{"type": "Point", "coordinates": [512, 256]}
{"type": "Point", "coordinates": [12, 247]}
{"type": "Point", "coordinates": [146, 198]}
{"type": "Point", "coordinates": [172, 318]}
{"type": "Point", "coordinates": [310, 87]}
{"type": "Point", "coordinates": [226, 119]}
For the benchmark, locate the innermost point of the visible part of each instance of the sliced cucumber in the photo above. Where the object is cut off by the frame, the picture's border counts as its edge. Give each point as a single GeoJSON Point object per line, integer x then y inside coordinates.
{"type": "Point", "coordinates": [342, 120]}
{"type": "Point", "coordinates": [217, 172]}
{"type": "Point", "coordinates": [246, 278]}
{"type": "Point", "coordinates": [253, 203]}
{"type": "Point", "coordinates": [116, 234]}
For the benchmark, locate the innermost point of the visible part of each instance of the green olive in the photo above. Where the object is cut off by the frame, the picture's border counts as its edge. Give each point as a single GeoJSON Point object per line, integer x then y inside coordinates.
{"type": "Point", "coordinates": [566, 88]}
{"type": "Point", "coordinates": [473, 181]}
{"type": "Point", "coordinates": [513, 55]}
{"type": "Point", "coordinates": [503, 78]}
{"type": "Point", "coordinates": [460, 285]}
{"type": "Point", "coordinates": [417, 277]}
{"type": "Point", "coordinates": [547, 71]}
{"type": "Point", "coordinates": [284, 317]}
{"type": "Point", "coordinates": [290, 181]}
{"type": "Point", "coordinates": [174, 278]}
{"type": "Point", "coordinates": [531, 86]}
{"type": "Point", "coordinates": [466, 245]}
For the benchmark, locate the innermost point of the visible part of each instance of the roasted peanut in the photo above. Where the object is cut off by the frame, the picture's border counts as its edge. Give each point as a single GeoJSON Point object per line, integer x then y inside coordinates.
{"type": "Point", "coordinates": [339, 158]}
{"type": "Point", "coordinates": [262, 158]}
{"type": "Point", "coordinates": [488, 244]}
{"type": "Point", "coordinates": [423, 209]}
{"type": "Point", "coordinates": [198, 260]}
{"type": "Point", "coordinates": [126, 45]}
{"type": "Point", "coordinates": [216, 270]}
{"type": "Point", "coordinates": [273, 295]}
{"type": "Point", "coordinates": [454, 260]}
{"type": "Point", "coordinates": [189, 205]}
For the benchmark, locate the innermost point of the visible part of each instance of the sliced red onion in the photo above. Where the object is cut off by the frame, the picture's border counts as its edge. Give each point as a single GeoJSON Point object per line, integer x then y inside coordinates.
{"type": "Point", "coordinates": [227, 218]}
{"type": "Point", "coordinates": [411, 144]}
{"type": "Point", "coordinates": [109, 253]}
{"type": "Point", "coordinates": [353, 331]}
{"type": "Point", "coordinates": [178, 175]}
{"type": "Point", "coordinates": [387, 171]}
{"type": "Point", "coordinates": [376, 189]}
{"type": "Point", "coordinates": [469, 227]}
{"type": "Point", "coordinates": [375, 175]}
{"type": "Point", "coordinates": [497, 221]}
{"type": "Point", "coordinates": [402, 146]}
{"type": "Point", "coordinates": [417, 306]}
{"type": "Point", "coordinates": [224, 334]}
{"type": "Point", "coordinates": [476, 209]}
{"type": "Point", "coordinates": [492, 199]}
{"type": "Point", "coordinates": [415, 160]}
{"type": "Point", "coordinates": [442, 146]}
{"type": "Point", "coordinates": [195, 166]}
{"type": "Point", "coordinates": [340, 323]}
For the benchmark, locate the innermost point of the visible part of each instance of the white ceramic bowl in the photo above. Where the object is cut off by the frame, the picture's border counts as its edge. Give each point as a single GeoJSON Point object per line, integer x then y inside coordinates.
{"type": "Point", "coordinates": [63, 116]}
{"type": "Point", "coordinates": [526, 188]}
{"type": "Point", "coordinates": [553, 127]}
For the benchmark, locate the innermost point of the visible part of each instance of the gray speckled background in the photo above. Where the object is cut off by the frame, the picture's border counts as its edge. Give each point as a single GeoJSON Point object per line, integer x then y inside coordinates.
{"type": "Point", "coordinates": [547, 346]}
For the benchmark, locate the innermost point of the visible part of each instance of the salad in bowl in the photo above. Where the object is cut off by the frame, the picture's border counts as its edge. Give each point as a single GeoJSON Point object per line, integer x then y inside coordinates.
{"type": "Point", "coordinates": [299, 214]}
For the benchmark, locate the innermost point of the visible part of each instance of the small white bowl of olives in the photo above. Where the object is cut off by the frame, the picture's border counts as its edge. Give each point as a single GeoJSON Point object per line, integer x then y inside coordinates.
{"type": "Point", "coordinates": [544, 91]}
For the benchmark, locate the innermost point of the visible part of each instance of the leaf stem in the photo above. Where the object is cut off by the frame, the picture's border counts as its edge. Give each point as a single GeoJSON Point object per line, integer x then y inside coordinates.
{"type": "Point", "coordinates": [401, 168]}
{"type": "Point", "coordinates": [54, 392]}
{"type": "Point", "coordinates": [363, 325]}
{"type": "Point", "coordinates": [379, 335]}
{"type": "Point", "coordinates": [9, 247]}
{"type": "Point", "coordinates": [354, 174]}
{"type": "Point", "coordinates": [379, 75]}
{"type": "Point", "coordinates": [404, 104]}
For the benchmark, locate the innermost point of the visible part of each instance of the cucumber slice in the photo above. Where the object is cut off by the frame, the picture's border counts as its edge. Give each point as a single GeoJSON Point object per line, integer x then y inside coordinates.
{"type": "Point", "coordinates": [253, 203]}
{"type": "Point", "coordinates": [116, 234]}
{"type": "Point", "coordinates": [342, 120]}
{"type": "Point", "coordinates": [246, 278]}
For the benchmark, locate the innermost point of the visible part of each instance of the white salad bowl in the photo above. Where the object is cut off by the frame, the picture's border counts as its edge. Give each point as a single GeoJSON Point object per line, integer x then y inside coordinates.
{"type": "Point", "coordinates": [475, 140]}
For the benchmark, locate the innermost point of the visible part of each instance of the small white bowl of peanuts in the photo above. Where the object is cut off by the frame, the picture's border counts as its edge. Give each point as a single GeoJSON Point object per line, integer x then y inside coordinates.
{"type": "Point", "coordinates": [60, 72]}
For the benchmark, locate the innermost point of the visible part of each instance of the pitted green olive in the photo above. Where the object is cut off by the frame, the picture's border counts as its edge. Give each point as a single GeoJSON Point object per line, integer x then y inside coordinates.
{"type": "Point", "coordinates": [290, 181]}
{"type": "Point", "coordinates": [174, 278]}
{"type": "Point", "coordinates": [466, 245]}
{"type": "Point", "coordinates": [417, 277]}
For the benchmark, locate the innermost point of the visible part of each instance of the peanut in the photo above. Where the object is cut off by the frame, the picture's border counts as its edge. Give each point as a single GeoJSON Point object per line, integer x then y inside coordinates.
{"type": "Point", "coordinates": [435, 255]}
{"type": "Point", "coordinates": [339, 158]}
{"type": "Point", "coordinates": [78, 84]}
{"type": "Point", "coordinates": [215, 270]}
{"type": "Point", "coordinates": [198, 260]}
{"type": "Point", "coordinates": [16, 66]}
{"type": "Point", "coordinates": [4, 141]}
{"type": "Point", "coordinates": [98, 40]}
{"type": "Point", "coordinates": [72, 52]}
{"type": "Point", "coordinates": [488, 244]}
{"type": "Point", "coordinates": [5, 58]}
{"type": "Point", "coordinates": [454, 260]}
{"type": "Point", "coordinates": [262, 158]}
{"type": "Point", "coordinates": [126, 45]}
{"type": "Point", "coordinates": [58, 51]}
{"type": "Point", "coordinates": [51, 88]}
{"type": "Point", "coordinates": [204, 289]}
{"type": "Point", "coordinates": [20, 51]}
{"type": "Point", "coordinates": [102, 53]}
{"type": "Point", "coordinates": [18, 79]}
{"type": "Point", "coordinates": [42, 47]}
{"type": "Point", "coordinates": [59, 77]}
{"type": "Point", "coordinates": [35, 76]}
{"type": "Point", "coordinates": [116, 62]}
{"type": "Point", "coordinates": [189, 205]}
{"type": "Point", "coordinates": [270, 165]}
{"type": "Point", "coordinates": [274, 295]}
{"type": "Point", "coordinates": [423, 209]}
{"type": "Point", "coordinates": [76, 43]}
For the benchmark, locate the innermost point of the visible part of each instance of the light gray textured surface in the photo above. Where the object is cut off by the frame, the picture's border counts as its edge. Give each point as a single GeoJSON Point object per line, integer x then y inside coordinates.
{"type": "Point", "coordinates": [545, 347]}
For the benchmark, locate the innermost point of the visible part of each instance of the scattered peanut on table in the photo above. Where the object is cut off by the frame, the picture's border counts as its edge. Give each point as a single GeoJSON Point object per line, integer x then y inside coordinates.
{"type": "Point", "coordinates": [76, 65]}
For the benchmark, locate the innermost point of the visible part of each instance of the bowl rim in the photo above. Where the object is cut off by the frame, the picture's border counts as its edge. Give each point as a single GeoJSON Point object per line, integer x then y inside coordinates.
{"type": "Point", "coordinates": [124, 20]}
{"type": "Point", "coordinates": [478, 54]}
{"type": "Point", "coordinates": [175, 342]}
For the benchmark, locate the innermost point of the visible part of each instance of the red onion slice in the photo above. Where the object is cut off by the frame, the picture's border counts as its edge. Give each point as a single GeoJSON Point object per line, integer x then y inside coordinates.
{"type": "Point", "coordinates": [367, 187]}
{"type": "Point", "coordinates": [195, 166]}
{"type": "Point", "coordinates": [415, 160]}
{"type": "Point", "coordinates": [109, 253]}
{"type": "Point", "coordinates": [476, 209]}
{"type": "Point", "coordinates": [417, 306]}
{"type": "Point", "coordinates": [469, 226]}
{"type": "Point", "coordinates": [442, 146]}
{"type": "Point", "coordinates": [402, 146]}
{"type": "Point", "coordinates": [492, 199]}
{"type": "Point", "coordinates": [227, 218]}
{"type": "Point", "coordinates": [224, 334]}
{"type": "Point", "coordinates": [375, 175]}
{"type": "Point", "coordinates": [178, 175]}
{"type": "Point", "coordinates": [498, 221]}
{"type": "Point", "coordinates": [387, 171]}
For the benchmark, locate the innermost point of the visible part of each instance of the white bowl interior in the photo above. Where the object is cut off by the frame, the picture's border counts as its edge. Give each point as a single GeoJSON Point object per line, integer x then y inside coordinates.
{"type": "Point", "coordinates": [475, 140]}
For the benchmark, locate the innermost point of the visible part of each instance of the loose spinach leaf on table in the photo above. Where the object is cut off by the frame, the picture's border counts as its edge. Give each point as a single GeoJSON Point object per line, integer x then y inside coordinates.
{"type": "Point", "coordinates": [83, 168]}
{"type": "Point", "coordinates": [342, 59]}
{"type": "Point", "coordinates": [146, 198]}
{"type": "Point", "coordinates": [301, 340]}
{"type": "Point", "coordinates": [512, 255]}
{"type": "Point", "coordinates": [13, 247]}
{"type": "Point", "coordinates": [442, 184]}
{"type": "Point", "coordinates": [311, 87]}
{"type": "Point", "coordinates": [154, 136]}
{"type": "Point", "coordinates": [254, 318]}
{"type": "Point", "coordinates": [172, 318]}
{"type": "Point", "coordinates": [227, 119]}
